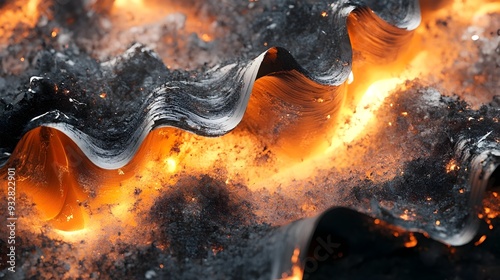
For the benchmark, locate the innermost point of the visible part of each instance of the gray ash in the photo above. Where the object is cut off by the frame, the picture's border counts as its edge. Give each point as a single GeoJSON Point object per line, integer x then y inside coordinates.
{"type": "Point", "coordinates": [196, 217]}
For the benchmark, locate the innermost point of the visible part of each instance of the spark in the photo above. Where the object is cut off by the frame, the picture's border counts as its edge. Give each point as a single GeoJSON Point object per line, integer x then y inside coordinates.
{"type": "Point", "coordinates": [206, 38]}
{"type": "Point", "coordinates": [171, 164]}
{"type": "Point", "coordinates": [452, 166]}
{"type": "Point", "coordinates": [412, 242]}
{"type": "Point", "coordinates": [365, 110]}
{"type": "Point", "coordinates": [480, 241]}
{"type": "Point", "coordinates": [54, 33]}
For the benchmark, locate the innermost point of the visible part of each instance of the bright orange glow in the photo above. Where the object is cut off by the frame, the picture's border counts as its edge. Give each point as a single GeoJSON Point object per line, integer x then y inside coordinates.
{"type": "Point", "coordinates": [480, 241]}
{"type": "Point", "coordinates": [171, 164]}
{"type": "Point", "coordinates": [297, 271]}
{"type": "Point", "coordinates": [491, 209]}
{"type": "Point", "coordinates": [54, 33]}
{"type": "Point", "coordinates": [157, 164]}
{"type": "Point", "coordinates": [412, 241]}
{"type": "Point", "coordinates": [15, 13]}
{"type": "Point", "coordinates": [452, 166]}
{"type": "Point", "coordinates": [406, 215]}
{"type": "Point", "coordinates": [55, 191]}
{"type": "Point", "coordinates": [280, 112]}
{"type": "Point", "coordinates": [205, 37]}
{"type": "Point", "coordinates": [128, 3]}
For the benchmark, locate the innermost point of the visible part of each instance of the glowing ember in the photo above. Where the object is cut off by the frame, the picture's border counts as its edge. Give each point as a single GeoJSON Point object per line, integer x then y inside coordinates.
{"type": "Point", "coordinates": [297, 271]}
{"type": "Point", "coordinates": [480, 241]}
{"type": "Point", "coordinates": [412, 241]}
{"type": "Point", "coordinates": [452, 166]}
{"type": "Point", "coordinates": [205, 37]}
{"type": "Point", "coordinates": [54, 32]}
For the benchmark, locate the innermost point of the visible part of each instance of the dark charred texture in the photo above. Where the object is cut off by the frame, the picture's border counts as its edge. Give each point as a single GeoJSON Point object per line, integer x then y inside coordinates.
{"type": "Point", "coordinates": [215, 235]}
{"type": "Point", "coordinates": [197, 216]}
{"type": "Point", "coordinates": [65, 84]}
{"type": "Point", "coordinates": [382, 255]}
{"type": "Point", "coordinates": [426, 187]}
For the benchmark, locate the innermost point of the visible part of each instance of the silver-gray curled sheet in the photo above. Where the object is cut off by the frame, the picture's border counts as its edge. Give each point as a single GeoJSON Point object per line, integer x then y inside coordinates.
{"type": "Point", "coordinates": [209, 102]}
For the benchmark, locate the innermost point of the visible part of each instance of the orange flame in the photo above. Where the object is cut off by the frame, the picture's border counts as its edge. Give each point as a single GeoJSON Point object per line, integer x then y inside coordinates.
{"type": "Point", "coordinates": [16, 14]}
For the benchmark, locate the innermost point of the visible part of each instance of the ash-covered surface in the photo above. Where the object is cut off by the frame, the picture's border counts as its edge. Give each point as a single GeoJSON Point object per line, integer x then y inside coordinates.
{"type": "Point", "coordinates": [119, 101]}
{"type": "Point", "coordinates": [202, 227]}
{"type": "Point", "coordinates": [433, 187]}
{"type": "Point", "coordinates": [412, 174]}
{"type": "Point", "coordinates": [221, 234]}
{"type": "Point", "coordinates": [191, 216]}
